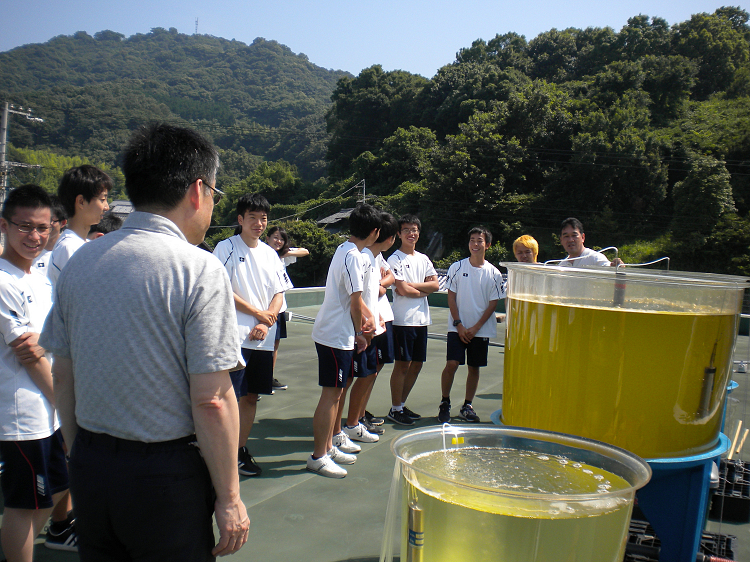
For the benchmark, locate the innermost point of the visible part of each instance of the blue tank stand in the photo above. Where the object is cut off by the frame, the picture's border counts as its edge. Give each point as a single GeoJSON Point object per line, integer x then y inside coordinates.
{"type": "Point", "coordinates": [676, 499]}
{"type": "Point", "coordinates": [730, 387]}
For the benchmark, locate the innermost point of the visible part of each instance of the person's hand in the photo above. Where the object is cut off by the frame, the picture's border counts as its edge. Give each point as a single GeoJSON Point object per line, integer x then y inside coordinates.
{"type": "Point", "coordinates": [615, 262]}
{"type": "Point", "coordinates": [368, 324]}
{"type": "Point", "coordinates": [360, 343]}
{"type": "Point", "coordinates": [266, 317]}
{"type": "Point", "coordinates": [26, 348]}
{"type": "Point", "coordinates": [463, 334]}
{"type": "Point", "coordinates": [234, 526]}
{"type": "Point", "coordinates": [259, 332]}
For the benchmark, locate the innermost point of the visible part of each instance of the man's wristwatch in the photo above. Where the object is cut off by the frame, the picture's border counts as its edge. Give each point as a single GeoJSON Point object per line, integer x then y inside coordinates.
{"type": "Point", "coordinates": [456, 323]}
{"type": "Point", "coordinates": [359, 334]}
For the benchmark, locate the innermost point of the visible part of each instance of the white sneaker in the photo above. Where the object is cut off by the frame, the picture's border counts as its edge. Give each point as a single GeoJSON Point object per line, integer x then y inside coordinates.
{"type": "Point", "coordinates": [359, 433]}
{"type": "Point", "coordinates": [342, 442]}
{"type": "Point", "coordinates": [341, 458]}
{"type": "Point", "coordinates": [325, 467]}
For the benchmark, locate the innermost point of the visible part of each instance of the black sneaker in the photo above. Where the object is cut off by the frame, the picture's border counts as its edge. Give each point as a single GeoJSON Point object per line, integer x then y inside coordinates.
{"type": "Point", "coordinates": [400, 418]}
{"type": "Point", "coordinates": [468, 413]}
{"type": "Point", "coordinates": [373, 420]}
{"type": "Point", "coordinates": [444, 412]}
{"type": "Point", "coordinates": [246, 463]}
{"type": "Point", "coordinates": [276, 385]}
{"type": "Point", "coordinates": [62, 539]}
{"type": "Point", "coordinates": [413, 415]}
{"type": "Point", "coordinates": [371, 428]}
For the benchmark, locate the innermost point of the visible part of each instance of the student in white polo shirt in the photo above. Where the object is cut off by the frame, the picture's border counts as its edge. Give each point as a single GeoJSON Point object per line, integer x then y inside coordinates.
{"type": "Point", "coordinates": [83, 193]}
{"type": "Point", "coordinates": [474, 287]}
{"type": "Point", "coordinates": [341, 325]}
{"type": "Point", "coordinates": [415, 279]}
{"type": "Point", "coordinates": [258, 284]}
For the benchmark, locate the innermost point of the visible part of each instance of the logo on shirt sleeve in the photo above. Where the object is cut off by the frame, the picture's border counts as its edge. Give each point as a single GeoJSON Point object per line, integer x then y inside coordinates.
{"type": "Point", "coordinates": [466, 274]}
{"type": "Point", "coordinates": [242, 259]}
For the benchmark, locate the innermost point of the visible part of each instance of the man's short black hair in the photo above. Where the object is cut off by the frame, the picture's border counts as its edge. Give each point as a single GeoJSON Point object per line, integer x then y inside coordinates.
{"type": "Point", "coordinates": [28, 196]}
{"type": "Point", "coordinates": [410, 219]}
{"type": "Point", "coordinates": [58, 211]}
{"type": "Point", "coordinates": [388, 227]}
{"type": "Point", "coordinates": [574, 222]}
{"type": "Point", "coordinates": [109, 223]}
{"type": "Point", "coordinates": [482, 230]}
{"type": "Point", "coordinates": [86, 180]}
{"type": "Point", "coordinates": [160, 163]}
{"type": "Point", "coordinates": [363, 220]}
{"type": "Point", "coordinates": [252, 202]}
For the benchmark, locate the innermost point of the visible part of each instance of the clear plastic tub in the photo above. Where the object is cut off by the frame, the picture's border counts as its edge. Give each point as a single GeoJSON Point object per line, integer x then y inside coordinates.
{"type": "Point", "coordinates": [636, 358]}
{"type": "Point", "coordinates": [510, 494]}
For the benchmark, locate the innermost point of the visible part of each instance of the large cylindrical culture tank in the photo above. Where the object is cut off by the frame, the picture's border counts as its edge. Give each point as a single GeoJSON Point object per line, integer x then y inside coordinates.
{"type": "Point", "coordinates": [636, 358]}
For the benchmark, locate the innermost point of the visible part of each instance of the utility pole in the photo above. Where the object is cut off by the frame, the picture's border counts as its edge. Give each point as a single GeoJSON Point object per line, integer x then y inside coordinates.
{"type": "Point", "coordinates": [196, 26]}
{"type": "Point", "coordinates": [364, 196]}
{"type": "Point", "coordinates": [4, 165]}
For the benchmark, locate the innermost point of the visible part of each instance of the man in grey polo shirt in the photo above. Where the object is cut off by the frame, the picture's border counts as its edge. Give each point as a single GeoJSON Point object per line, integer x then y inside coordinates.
{"type": "Point", "coordinates": [143, 332]}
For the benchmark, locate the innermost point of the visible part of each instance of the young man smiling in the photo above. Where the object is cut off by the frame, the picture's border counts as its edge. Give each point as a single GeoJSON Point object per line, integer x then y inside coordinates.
{"type": "Point", "coordinates": [83, 193]}
{"type": "Point", "coordinates": [415, 279]}
{"type": "Point", "coordinates": [258, 283]}
{"type": "Point", "coordinates": [474, 287]}
{"type": "Point", "coordinates": [35, 475]}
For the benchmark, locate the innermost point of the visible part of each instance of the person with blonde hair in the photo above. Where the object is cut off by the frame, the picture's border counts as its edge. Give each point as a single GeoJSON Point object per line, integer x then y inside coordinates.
{"type": "Point", "coordinates": [526, 249]}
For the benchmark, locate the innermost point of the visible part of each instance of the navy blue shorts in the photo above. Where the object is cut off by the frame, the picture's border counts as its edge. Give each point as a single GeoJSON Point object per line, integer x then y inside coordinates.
{"type": "Point", "coordinates": [474, 353]}
{"type": "Point", "coordinates": [366, 363]}
{"type": "Point", "coordinates": [281, 326]}
{"type": "Point", "coordinates": [334, 365]}
{"type": "Point", "coordinates": [411, 343]}
{"type": "Point", "coordinates": [33, 471]}
{"type": "Point", "coordinates": [257, 376]}
{"type": "Point", "coordinates": [384, 345]}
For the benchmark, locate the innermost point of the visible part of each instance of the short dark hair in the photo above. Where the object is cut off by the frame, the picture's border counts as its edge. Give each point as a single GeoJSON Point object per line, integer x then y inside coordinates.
{"type": "Point", "coordinates": [86, 180]}
{"type": "Point", "coordinates": [109, 223]}
{"type": "Point", "coordinates": [574, 222]}
{"type": "Point", "coordinates": [388, 227]}
{"type": "Point", "coordinates": [58, 211]}
{"type": "Point", "coordinates": [252, 202]}
{"type": "Point", "coordinates": [363, 220]}
{"type": "Point", "coordinates": [28, 196]}
{"type": "Point", "coordinates": [284, 236]}
{"type": "Point", "coordinates": [162, 161]}
{"type": "Point", "coordinates": [410, 219]}
{"type": "Point", "coordinates": [482, 230]}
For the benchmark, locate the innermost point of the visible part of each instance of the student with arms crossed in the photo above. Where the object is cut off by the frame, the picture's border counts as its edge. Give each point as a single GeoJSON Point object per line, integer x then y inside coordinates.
{"type": "Point", "coordinates": [474, 287]}
{"type": "Point", "coordinates": [415, 279]}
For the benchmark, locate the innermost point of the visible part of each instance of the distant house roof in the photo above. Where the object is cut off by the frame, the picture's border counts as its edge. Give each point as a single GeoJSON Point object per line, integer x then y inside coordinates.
{"type": "Point", "coordinates": [342, 215]}
{"type": "Point", "coordinates": [121, 209]}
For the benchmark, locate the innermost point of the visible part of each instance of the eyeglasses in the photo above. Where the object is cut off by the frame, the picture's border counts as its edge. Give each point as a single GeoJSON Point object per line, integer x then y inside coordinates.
{"type": "Point", "coordinates": [410, 231]}
{"type": "Point", "coordinates": [218, 193]}
{"type": "Point", "coordinates": [28, 229]}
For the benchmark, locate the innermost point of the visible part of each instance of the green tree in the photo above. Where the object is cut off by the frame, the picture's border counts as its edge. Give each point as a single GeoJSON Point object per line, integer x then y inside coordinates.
{"type": "Point", "coordinates": [368, 109]}
{"type": "Point", "coordinates": [700, 200]}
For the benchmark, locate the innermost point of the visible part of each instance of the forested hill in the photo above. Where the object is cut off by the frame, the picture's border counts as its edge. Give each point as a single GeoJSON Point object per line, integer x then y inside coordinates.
{"type": "Point", "coordinates": [642, 133]}
{"type": "Point", "coordinates": [258, 100]}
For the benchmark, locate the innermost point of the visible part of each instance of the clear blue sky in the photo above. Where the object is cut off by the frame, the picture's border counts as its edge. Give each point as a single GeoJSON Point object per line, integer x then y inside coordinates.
{"type": "Point", "coordinates": [419, 36]}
